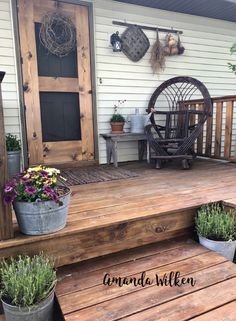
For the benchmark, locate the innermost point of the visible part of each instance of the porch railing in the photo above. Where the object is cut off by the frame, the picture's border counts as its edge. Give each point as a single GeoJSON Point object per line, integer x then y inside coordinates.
{"type": "Point", "coordinates": [218, 139]}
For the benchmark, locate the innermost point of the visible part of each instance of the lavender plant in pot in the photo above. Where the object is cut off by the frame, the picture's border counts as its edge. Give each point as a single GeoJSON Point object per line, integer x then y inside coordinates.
{"type": "Point", "coordinates": [13, 154]}
{"type": "Point", "coordinates": [27, 288]}
{"type": "Point", "coordinates": [40, 204]}
{"type": "Point", "coordinates": [216, 229]}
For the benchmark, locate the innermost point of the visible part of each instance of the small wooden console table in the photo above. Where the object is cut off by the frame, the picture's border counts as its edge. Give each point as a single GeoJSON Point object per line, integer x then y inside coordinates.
{"type": "Point", "coordinates": [113, 139]}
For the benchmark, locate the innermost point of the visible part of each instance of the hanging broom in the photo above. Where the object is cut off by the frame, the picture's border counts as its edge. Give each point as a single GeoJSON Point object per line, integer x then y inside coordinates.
{"type": "Point", "coordinates": [157, 59]}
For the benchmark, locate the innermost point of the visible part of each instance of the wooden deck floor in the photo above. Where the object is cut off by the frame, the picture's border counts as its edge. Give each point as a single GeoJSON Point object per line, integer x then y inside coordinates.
{"type": "Point", "coordinates": [84, 297]}
{"type": "Point", "coordinates": [116, 215]}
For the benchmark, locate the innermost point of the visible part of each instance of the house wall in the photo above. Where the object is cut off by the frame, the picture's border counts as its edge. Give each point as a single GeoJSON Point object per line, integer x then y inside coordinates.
{"type": "Point", "coordinates": [8, 64]}
{"type": "Point", "coordinates": [207, 43]}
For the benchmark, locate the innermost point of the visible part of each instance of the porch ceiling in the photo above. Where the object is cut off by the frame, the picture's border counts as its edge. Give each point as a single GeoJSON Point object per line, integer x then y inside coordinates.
{"type": "Point", "coordinates": [216, 9]}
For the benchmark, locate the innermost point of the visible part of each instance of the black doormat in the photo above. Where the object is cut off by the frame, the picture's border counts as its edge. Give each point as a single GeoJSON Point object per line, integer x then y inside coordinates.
{"type": "Point", "coordinates": [79, 176]}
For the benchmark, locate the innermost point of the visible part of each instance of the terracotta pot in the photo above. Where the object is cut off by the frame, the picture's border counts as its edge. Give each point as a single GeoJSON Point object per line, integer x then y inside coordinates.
{"type": "Point", "coordinates": [117, 127]}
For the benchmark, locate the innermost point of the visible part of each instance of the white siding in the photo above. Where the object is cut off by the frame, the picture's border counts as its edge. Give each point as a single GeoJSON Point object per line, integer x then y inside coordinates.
{"type": "Point", "coordinates": [207, 43]}
{"type": "Point", "coordinates": [8, 64]}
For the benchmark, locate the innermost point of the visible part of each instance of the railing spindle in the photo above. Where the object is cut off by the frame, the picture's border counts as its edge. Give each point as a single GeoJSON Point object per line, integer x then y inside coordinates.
{"type": "Point", "coordinates": [200, 137]}
{"type": "Point", "coordinates": [228, 129]}
{"type": "Point", "coordinates": [218, 131]}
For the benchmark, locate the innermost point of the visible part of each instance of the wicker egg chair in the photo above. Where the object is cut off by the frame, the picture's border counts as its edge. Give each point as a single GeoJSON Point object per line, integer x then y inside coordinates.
{"type": "Point", "coordinates": [180, 106]}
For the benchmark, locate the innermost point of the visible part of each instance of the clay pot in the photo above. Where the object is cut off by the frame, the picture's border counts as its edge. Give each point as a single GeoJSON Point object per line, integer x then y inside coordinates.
{"type": "Point", "coordinates": [117, 127]}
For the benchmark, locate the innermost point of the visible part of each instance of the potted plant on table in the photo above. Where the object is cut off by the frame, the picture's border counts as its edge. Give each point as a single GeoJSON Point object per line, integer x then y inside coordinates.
{"type": "Point", "coordinates": [216, 229]}
{"type": "Point", "coordinates": [27, 288]}
{"type": "Point", "coordinates": [41, 206]}
{"type": "Point", "coordinates": [117, 120]}
{"type": "Point", "coordinates": [13, 154]}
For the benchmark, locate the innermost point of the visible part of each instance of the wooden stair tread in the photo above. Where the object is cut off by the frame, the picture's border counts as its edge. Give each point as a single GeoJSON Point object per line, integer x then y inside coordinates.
{"type": "Point", "coordinates": [79, 285]}
{"type": "Point", "coordinates": [227, 312]}
{"type": "Point", "coordinates": [111, 216]}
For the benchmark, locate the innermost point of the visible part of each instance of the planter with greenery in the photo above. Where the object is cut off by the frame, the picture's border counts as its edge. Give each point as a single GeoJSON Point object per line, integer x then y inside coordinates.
{"type": "Point", "coordinates": [216, 229]}
{"type": "Point", "coordinates": [117, 120]}
{"type": "Point", "coordinates": [27, 288]}
{"type": "Point", "coordinates": [13, 154]}
{"type": "Point", "coordinates": [41, 206]}
{"type": "Point", "coordinates": [230, 65]}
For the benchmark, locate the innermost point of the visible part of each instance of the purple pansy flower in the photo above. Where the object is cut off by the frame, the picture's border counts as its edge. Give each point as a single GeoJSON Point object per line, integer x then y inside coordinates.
{"type": "Point", "coordinates": [24, 180]}
{"type": "Point", "coordinates": [54, 197]}
{"type": "Point", "coordinates": [9, 198]}
{"type": "Point", "coordinates": [43, 173]}
{"type": "Point", "coordinates": [8, 189]}
{"type": "Point", "coordinates": [30, 190]}
{"type": "Point", "coordinates": [12, 183]}
{"type": "Point", "coordinates": [47, 189]}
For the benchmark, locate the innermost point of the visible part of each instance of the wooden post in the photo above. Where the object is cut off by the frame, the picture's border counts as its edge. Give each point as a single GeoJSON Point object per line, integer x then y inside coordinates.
{"type": "Point", "coordinates": [6, 226]}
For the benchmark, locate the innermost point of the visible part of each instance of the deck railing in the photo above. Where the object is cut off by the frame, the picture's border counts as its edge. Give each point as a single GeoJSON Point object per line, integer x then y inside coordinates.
{"type": "Point", "coordinates": [218, 139]}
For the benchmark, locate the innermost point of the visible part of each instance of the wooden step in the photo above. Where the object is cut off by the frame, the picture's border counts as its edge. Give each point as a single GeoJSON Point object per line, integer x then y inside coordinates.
{"type": "Point", "coordinates": [83, 296]}
{"type": "Point", "coordinates": [111, 216]}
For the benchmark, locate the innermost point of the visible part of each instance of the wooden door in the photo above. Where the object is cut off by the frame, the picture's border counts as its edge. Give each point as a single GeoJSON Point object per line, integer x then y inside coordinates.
{"type": "Point", "coordinates": [57, 91]}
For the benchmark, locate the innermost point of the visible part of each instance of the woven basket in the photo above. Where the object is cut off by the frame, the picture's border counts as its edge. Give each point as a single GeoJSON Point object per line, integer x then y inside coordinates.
{"type": "Point", "coordinates": [134, 43]}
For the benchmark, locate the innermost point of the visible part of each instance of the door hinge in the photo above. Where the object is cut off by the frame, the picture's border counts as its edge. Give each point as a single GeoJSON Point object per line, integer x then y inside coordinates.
{"type": "Point", "coordinates": [21, 60]}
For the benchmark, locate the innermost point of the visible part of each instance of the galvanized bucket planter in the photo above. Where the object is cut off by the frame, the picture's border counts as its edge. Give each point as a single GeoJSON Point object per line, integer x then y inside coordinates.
{"type": "Point", "coordinates": [41, 312]}
{"type": "Point", "coordinates": [225, 248]}
{"type": "Point", "coordinates": [137, 124]}
{"type": "Point", "coordinates": [45, 217]}
{"type": "Point", "coordinates": [13, 162]}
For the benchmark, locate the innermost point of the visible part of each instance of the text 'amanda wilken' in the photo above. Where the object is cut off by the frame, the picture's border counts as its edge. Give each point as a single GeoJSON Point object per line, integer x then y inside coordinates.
{"type": "Point", "coordinates": [168, 279]}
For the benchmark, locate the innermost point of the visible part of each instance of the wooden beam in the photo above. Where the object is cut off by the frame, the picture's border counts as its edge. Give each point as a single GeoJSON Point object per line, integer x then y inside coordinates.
{"type": "Point", "coordinates": [6, 226]}
{"type": "Point", "coordinates": [58, 84]}
{"type": "Point", "coordinates": [85, 86]}
{"type": "Point", "coordinates": [31, 83]}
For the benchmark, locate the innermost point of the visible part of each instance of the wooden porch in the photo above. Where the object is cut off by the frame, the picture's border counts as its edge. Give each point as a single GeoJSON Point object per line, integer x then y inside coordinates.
{"type": "Point", "coordinates": [150, 211]}
{"type": "Point", "coordinates": [141, 224]}
{"type": "Point", "coordinates": [112, 216]}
